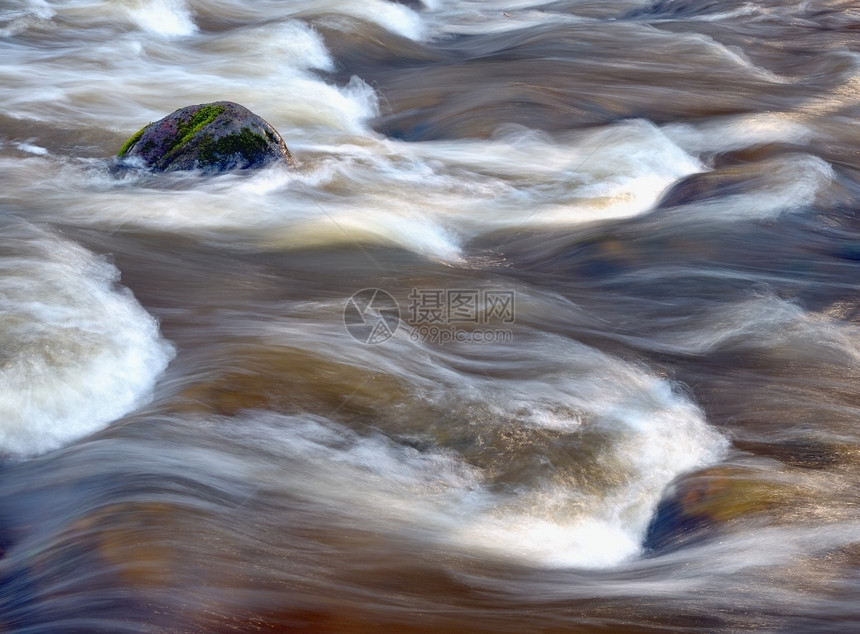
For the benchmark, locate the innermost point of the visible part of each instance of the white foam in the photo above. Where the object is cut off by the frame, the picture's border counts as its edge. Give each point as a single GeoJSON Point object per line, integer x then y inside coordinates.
{"type": "Point", "coordinates": [26, 13]}
{"type": "Point", "coordinates": [593, 515]}
{"type": "Point", "coordinates": [29, 148]}
{"type": "Point", "coordinates": [394, 17]}
{"type": "Point", "coordinates": [738, 132]}
{"type": "Point", "coordinates": [654, 433]}
{"type": "Point", "coordinates": [429, 198]}
{"type": "Point", "coordinates": [496, 16]}
{"type": "Point", "coordinates": [744, 10]}
{"type": "Point", "coordinates": [110, 82]}
{"type": "Point", "coordinates": [264, 48]}
{"type": "Point", "coordinates": [169, 18]}
{"type": "Point", "coordinates": [20, 8]}
{"type": "Point", "coordinates": [391, 16]}
{"type": "Point", "coordinates": [769, 325]}
{"type": "Point", "coordinates": [614, 172]}
{"type": "Point", "coordinates": [788, 183]}
{"type": "Point", "coordinates": [76, 350]}
{"type": "Point", "coordinates": [733, 55]}
{"type": "Point", "coordinates": [486, 22]}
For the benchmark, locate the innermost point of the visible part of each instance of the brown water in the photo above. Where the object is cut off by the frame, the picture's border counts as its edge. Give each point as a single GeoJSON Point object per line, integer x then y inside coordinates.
{"type": "Point", "coordinates": [607, 381]}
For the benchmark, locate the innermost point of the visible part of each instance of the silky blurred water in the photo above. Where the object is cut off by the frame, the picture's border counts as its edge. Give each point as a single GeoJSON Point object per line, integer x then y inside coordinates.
{"type": "Point", "coordinates": [598, 372]}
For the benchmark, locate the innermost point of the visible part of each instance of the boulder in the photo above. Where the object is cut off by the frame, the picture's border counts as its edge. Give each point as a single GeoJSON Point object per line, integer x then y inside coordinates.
{"type": "Point", "coordinates": [702, 504]}
{"type": "Point", "coordinates": [213, 137]}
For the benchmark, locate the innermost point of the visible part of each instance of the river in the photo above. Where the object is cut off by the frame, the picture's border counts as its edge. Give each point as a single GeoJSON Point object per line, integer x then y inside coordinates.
{"type": "Point", "coordinates": [554, 327]}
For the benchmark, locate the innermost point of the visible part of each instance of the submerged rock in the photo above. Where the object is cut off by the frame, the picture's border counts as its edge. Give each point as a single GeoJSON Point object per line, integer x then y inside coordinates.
{"type": "Point", "coordinates": [214, 137]}
{"type": "Point", "coordinates": [702, 504]}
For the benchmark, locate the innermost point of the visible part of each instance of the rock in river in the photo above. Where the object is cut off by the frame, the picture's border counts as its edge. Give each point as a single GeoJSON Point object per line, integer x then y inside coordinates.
{"type": "Point", "coordinates": [213, 137]}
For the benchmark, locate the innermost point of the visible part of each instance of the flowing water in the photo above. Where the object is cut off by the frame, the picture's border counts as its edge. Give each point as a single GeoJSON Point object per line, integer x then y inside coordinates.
{"type": "Point", "coordinates": [607, 381]}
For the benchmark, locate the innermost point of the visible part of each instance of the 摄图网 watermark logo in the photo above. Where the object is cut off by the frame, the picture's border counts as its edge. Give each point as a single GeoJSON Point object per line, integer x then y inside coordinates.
{"type": "Point", "coordinates": [436, 316]}
{"type": "Point", "coordinates": [371, 316]}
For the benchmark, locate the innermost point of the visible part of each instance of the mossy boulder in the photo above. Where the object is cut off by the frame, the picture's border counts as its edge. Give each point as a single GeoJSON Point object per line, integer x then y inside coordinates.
{"type": "Point", "coordinates": [212, 137]}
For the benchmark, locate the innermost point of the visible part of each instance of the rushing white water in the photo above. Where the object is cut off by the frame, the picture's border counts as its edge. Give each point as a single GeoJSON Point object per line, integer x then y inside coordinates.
{"type": "Point", "coordinates": [666, 192]}
{"type": "Point", "coordinates": [429, 198]}
{"type": "Point", "coordinates": [559, 522]}
{"type": "Point", "coordinates": [769, 325]}
{"type": "Point", "coordinates": [786, 184]}
{"type": "Point", "coordinates": [603, 439]}
{"type": "Point", "coordinates": [76, 350]}
{"type": "Point", "coordinates": [170, 18]}
{"type": "Point", "coordinates": [737, 132]}
{"type": "Point", "coordinates": [122, 70]}
{"type": "Point", "coordinates": [653, 434]}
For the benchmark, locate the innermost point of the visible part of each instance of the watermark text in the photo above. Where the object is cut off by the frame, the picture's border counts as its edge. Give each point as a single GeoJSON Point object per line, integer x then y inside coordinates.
{"type": "Point", "coordinates": [433, 315]}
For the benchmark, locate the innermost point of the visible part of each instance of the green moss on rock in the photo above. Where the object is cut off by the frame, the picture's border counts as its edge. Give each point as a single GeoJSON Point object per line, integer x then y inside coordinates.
{"type": "Point", "coordinates": [186, 130]}
{"type": "Point", "coordinates": [132, 140]}
{"type": "Point", "coordinates": [247, 144]}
